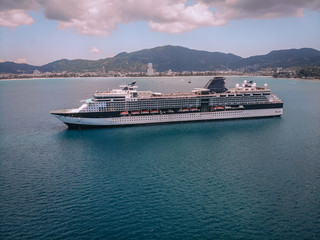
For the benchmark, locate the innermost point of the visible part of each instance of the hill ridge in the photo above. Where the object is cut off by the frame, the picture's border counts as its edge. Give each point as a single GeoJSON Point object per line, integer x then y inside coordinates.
{"type": "Point", "coordinates": [176, 58]}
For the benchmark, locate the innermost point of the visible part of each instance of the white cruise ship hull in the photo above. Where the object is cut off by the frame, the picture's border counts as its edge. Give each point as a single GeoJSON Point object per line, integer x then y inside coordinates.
{"type": "Point", "coordinates": [167, 118]}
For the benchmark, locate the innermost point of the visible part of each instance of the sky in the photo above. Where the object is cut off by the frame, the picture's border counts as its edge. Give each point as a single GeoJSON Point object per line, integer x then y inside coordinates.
{"type": "Point", "coordinates": [41, 31]}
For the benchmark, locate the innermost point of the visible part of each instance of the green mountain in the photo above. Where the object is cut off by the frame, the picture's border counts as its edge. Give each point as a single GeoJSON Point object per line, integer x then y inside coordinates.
{"type": "Point", "coordinates": [11, 67]}
{"type": "Point", "coordinates": [303, 57]}
{"type": "Point", "coordinates": [177, 59]}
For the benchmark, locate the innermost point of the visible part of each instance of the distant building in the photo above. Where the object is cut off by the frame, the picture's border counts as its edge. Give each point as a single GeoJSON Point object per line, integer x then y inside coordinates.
{"type": "Point", "coordinates": [36, 73]}
{"type": "Point", "coordinates": [150, 70]}
{"type": "Point", "coordinates": [103, 70]}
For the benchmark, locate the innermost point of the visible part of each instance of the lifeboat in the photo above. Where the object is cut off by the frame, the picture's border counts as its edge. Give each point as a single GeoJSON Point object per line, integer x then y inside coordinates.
{"type": "Point", "coordinates": [212, 108]}
{"type": "Point", "coordinates": [220, 108]}
{"type": "Point", "coordinates": [184, 109]}
{"type": "Point", "coordinates": [124, 113]}
{"type": "Point", "coordinates": [145, 111]}
{"type": "Point", "coordinates": [194, 109]}
{"type": "Point", "coordinates": [154, 111]}
{"type": "Point", "coordinates": [135, 112]}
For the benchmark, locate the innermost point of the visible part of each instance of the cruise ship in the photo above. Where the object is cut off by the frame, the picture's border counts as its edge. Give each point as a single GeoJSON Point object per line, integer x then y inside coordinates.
{"type": "Point", "coordinates": [127, 106]}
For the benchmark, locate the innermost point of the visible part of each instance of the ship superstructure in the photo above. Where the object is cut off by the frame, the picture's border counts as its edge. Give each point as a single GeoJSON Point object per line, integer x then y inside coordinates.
{"type": "Point", "coordinates": [128, 106]}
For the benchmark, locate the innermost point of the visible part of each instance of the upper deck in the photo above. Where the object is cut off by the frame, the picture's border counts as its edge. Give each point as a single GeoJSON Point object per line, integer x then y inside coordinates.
{"type": "Point", "coordinates": [129, 92]}
{"type": "Point", "coordinates": [127, 98]}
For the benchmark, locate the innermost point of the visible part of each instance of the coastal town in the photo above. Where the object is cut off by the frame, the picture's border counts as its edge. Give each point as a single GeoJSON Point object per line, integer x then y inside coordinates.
{"type": "Point", "coordinates": [306, 73]}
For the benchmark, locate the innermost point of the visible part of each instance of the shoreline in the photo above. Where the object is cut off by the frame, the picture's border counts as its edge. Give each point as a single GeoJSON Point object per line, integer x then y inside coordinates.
{"type": "Point", "coordinates": [243, 76]}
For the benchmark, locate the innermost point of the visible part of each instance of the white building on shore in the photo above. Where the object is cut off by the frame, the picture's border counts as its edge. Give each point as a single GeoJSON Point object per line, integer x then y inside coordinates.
{"type": "Point", "coordinates": [150, 71]}
{"type": "Point", "coordinates": [36, 73]}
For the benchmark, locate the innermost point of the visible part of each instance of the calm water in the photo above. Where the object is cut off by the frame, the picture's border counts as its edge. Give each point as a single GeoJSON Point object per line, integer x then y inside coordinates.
{"type": "Point", "coordinates": [240, 179]}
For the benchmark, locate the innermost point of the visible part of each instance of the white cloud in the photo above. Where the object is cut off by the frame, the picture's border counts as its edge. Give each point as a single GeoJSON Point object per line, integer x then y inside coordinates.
{"type": "Point", "coordinates": [6, 5]}
{"type": "Point", "coordinates": [254, 9]}
{"type": "Point", "coordinates": [94, 50]}
{"type": "Point", "coordinates": [101, 17]}
{"type": "Point", "coordinates": [14, 18]}
{"type": "Point", "coordinates": [21, 60]}
{"type": "Point", "coordinates": [180, 18]}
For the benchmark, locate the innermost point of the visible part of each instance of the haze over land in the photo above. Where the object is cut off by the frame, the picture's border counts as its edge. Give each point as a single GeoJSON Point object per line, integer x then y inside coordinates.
{"type": "Point", "coordinates": [39, 32]}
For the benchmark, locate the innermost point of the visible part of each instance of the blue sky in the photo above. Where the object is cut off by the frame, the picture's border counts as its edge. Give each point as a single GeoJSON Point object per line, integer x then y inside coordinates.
{"type": "Point", "coordinates": [38, 33]}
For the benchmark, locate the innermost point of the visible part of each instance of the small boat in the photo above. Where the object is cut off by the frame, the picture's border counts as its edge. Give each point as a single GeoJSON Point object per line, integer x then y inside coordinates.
{"type": "Point", "coordinates": [184, 109]}
{"type": "Point", "coordinates": [212, 108]}
{"type": "Point", "coordinates": [154, 111]}
{"type": "Point", "coordinates": [220, 108]}
{"type": "Point", "coordinates": [135, 112]}
{"type": "Point", "coordinates": [194, 109]}
{"type": "Point", "coordinates": [145, 111]}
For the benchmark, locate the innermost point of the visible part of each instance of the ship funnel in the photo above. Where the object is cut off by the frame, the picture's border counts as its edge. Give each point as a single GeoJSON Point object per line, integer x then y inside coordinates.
{"type": "Point", "coordinates": [217, 84]}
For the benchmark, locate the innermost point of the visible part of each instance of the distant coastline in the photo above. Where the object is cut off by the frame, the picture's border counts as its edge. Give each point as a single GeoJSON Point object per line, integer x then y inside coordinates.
{"type": "Point", "coordinates": [261, 76]}
{"type": "Point", "coordinates": [175, 61]}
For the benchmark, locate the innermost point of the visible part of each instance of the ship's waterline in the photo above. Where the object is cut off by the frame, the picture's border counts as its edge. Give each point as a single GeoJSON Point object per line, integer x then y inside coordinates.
{"type": "Point", "coordinates": [73, 122]}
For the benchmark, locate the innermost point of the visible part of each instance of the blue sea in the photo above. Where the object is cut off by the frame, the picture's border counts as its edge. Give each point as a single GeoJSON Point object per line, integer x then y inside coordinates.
{"type": "Point", "coordinates": [236, 179]}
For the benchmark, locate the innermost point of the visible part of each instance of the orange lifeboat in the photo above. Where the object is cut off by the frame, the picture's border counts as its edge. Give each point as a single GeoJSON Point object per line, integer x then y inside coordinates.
{"type": "Point", "coordinates": [135, 112]}
{"type": "Point", "coordinates": [145, 111]}
{"type": "Point", "coordinates": [124, 113]}
{"type": "Point", "coordinates": [154, 111]}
